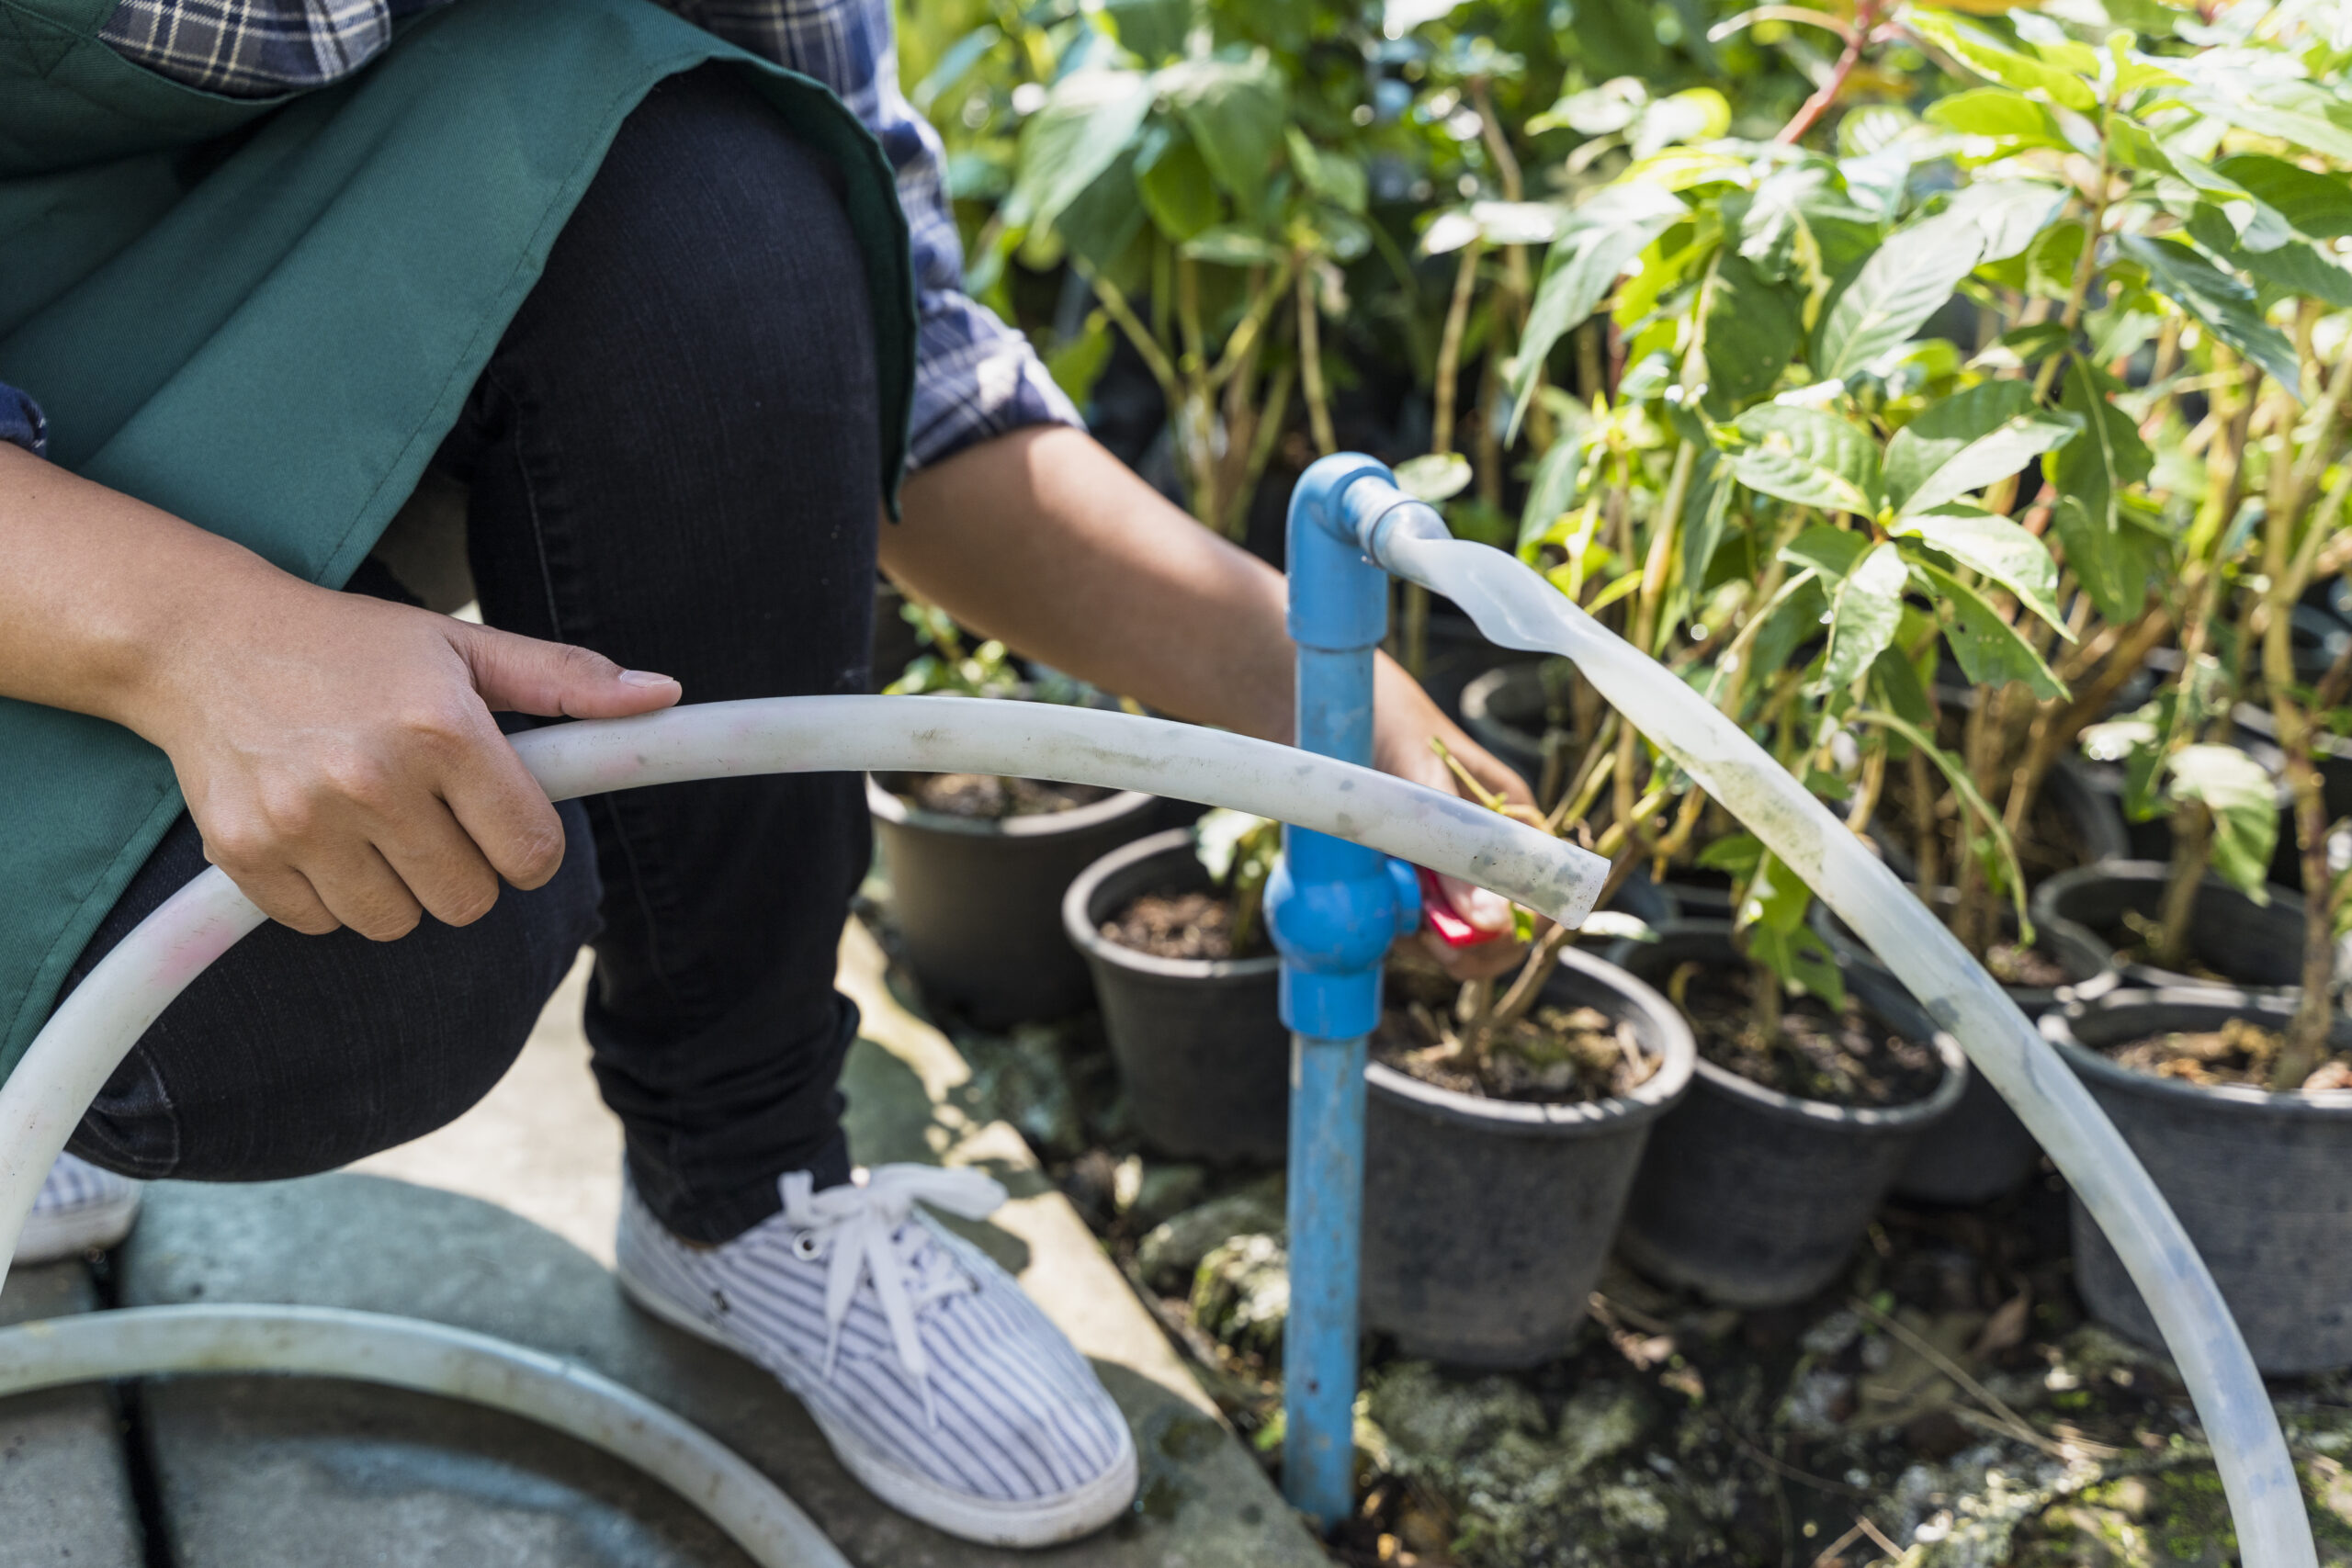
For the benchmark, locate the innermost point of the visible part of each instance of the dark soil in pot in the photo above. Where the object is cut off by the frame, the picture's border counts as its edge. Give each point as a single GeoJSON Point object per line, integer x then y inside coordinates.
{"type": "Point", "coordinates": [1755, 1196]}
{"type": "Point", "coordinates": [1487, 1219]}
{"type": "Point", "coordinates": [2111, 911]}
{"type": "Point", "coordinates": [975, 890]}
{"type": "Point", "coordinates": [2261, 1181]}
{"type": "Point", "coordinates": [1981, 1150]}
{"type": "Point", "coordinates": [1201, 1054]}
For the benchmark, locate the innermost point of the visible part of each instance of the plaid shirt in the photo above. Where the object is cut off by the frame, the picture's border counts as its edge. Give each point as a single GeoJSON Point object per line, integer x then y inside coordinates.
{"type": "Point", "coordinates": [974, 377]}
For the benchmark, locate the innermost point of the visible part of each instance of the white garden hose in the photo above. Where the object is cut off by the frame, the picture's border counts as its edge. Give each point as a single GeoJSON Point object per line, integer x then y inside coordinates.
{"type": "Point", "coordinates": [1515, 607]}
{"type": "Point", "coordinates": [429, 1357]}
{"type": "Point", "coordinates": [91, 1031]}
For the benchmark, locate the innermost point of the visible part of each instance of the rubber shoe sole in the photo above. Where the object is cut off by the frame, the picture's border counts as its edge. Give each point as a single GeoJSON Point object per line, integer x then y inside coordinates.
{"type": "Point", "coordinates": [85, 1228]}
{"type": "Point", "coordinates": [1047, 1521]}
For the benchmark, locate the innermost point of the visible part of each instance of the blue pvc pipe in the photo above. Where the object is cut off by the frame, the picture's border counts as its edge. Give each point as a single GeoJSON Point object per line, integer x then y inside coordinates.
{"type": "Point", "coordinates": [1333, 907]}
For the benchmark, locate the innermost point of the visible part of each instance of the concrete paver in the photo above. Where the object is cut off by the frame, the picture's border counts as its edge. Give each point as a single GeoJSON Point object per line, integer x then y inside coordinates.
{"type": "Point", "coordinates": [65, 1497]}
{"type": "Point", "coordinates": [528, 1264]}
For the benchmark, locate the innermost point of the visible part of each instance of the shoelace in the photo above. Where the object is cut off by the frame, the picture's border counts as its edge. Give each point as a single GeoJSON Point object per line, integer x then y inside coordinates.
{"type": "Point", "coordinates": [859, 1226]}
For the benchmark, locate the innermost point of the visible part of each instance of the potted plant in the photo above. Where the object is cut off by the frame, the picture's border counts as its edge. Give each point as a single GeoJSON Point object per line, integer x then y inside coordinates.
{"type": "Point", "coordinates": [1171, 927]}
{"type": "Point", "coordinates": [1499, 1146]}
{"type": "Point", "coordinates": [977, 864]}
{"type": "Point", "coordinates": [2247, 1130]}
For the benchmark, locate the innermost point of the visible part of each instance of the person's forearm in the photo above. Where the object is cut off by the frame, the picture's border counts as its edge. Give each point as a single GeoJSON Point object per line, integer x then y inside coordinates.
{"type": "Point", "coordinates": [1043, 539]}
{"type": "Point", "coordinates": [96, 588]}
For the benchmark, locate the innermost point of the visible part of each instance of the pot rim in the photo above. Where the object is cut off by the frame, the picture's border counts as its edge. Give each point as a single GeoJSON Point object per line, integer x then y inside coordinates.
{"type": "Point", "coordinates": [895, 811]}
{"type": "Point", "coordinates": [2144, 975]}
{"type": "Point", "coordinates": [1522, 1118]}
{"type": "Point", "coordinates": [1078, 923]}
{"type": "Point", "coordinates": [1796, 1107]}
{"type": "Point", "coordinates": [2057, 1027]}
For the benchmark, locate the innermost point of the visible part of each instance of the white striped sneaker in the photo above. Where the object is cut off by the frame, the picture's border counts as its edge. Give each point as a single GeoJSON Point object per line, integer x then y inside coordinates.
{"type": "Point", "coordinates": [79, 1209]}
{"type": "Point", "coordinates": [939, 1384]}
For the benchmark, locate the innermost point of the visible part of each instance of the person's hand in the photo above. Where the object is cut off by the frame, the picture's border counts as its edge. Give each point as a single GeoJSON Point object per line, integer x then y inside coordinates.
{"type": "Point", "coordinates": [1404, 723]}
{"type": "Point", "coordinates": [338, 754]}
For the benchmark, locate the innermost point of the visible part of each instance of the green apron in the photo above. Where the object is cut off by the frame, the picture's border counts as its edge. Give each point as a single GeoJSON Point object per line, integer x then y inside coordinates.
{"type": "Point", "coordinates": [263, 316]}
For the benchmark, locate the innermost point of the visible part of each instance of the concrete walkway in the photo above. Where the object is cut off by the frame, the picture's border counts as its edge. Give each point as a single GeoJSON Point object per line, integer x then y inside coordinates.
{"type": "Point", "coordinates": [503, 1223]}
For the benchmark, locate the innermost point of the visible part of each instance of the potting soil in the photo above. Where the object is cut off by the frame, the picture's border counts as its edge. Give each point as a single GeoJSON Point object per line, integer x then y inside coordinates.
{"type": "Point", "coordinates": [986, 798]}
{"type": "Point", "coordinates": [1181, 925]}
{"type": "Point", "coordinates": [1843, 1058]}
{"type": "Point", "coordinates": [2240, 1052]}
{"type": "Point", "coordinates": [1552, 1055]}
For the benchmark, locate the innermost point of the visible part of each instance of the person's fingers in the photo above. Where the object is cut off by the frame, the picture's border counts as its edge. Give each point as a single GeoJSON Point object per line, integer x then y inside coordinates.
{"type": "Point", "coordinates": [556, 680]}
{"type": "Point", "coordinates": [440, 864]}
{"type": "Point", "coordinates": [280, 892]}
{"type": "Point", "coordinates": [1486, 910]}
{"type": "Point", "coordinates": [502, 807]}
{"type": "Point", "coordinates": [360, 889]}
{"type": "Point", "coordinates": [1482, 961]}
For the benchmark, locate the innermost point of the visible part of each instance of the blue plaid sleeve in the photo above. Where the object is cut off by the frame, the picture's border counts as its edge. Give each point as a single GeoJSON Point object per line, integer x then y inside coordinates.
{"type": "Point", "coordinates": [974, 377]}
{"type": "Point", "coordinates": [21, 421]}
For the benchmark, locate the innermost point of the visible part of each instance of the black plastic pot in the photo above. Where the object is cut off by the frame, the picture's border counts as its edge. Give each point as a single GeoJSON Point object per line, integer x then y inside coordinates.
{"type": "Point", "coordinates": [2262, 1183]}
{"type": "Point", "coordinates": [1504, 711]}
{"type": "Point", "coordinates": [1487, 1222]}
{"type": "Point", "coordinates": [2250, 945]}
{"type": "Point", "coordinates": [1457, 653]}
{"type": "Point", "coordinates": [1755, 1198]}
{"type": "Point", "coordinates": [979, 903]}
{"type": "Point", "coordinates": [1981, 1150]}
{"type": "Point", "coordinates": [1201, 1052]}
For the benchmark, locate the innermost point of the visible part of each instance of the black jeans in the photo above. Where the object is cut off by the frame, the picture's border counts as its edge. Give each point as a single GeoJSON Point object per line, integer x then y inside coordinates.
{"type": "Point", "coordinates": [671, 457]}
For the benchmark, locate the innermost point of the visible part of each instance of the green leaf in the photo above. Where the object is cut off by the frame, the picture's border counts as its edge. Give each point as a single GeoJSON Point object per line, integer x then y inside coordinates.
{"type": "Point", "coordinates": [1771, 913]}
{"type": "Point", "coordinates": [1896, 682]}
{"type": "Point", "coordinates": [2317, 205]}
{"type": "Point", "coordinates": [1905, 280]}
{"type": "Point", "coordinates": [1179, 191]}
{"type": "Point", "coordinates": [1152, 30]}
{"type": "Point", "coordinates": [2224, 305]}
{"type": "Point", "coordinates": [1970, 440]}
{"type": "Point", "coordinates": [1809, 458]}
{"type": "Point", "coordinates": [1580, 269]}
{"type": "Point", "coordinates": [1829, 550]}
{"type": "Point", "coordinates": [1794, 616]}
{"type": "Point", "coordinates": [1235, 110]}
{"type": "Point", "coordinates": [1085, 125]}
{"type": "Point", "coordinates": [1697, 113]}
{"type": "Point", "coordinates": [2296, 266]}
{"type": "Point", "coordinates": [1734, 853]}
{"type": "Point", "coordinates": [1335, 176]}
{"type": "Point", "coordinates": [1993, 547]}
{"type": "Point", "coordinates": [1434, 476]}
{"type": "Point", "coordinates": [1704, 515]}
{"type": "Point", "coordinates": [1990, 650]}
{"type": "Point", "coordinates": [1231, 245]}
{"type": "Point", "coordinates": [955, 65]}
{"type": "Point", "coordinates": [1103, 222]}
{"type": "Point", "coordinates": [1077, 363]}
{"type": "Point", "coordinates": [1753, 330]}
{"type": "Point", "coordinates": [2089, 476]}
{"type": "Point", "coordinates": [1552, 490]}
{"type": "Point", "coordinates": [2239, 793]}
{"type": "Point", "coordinates": [2004, 115]}
{"type": "Point", "coordinates": [1862, 615]}
{"type": "Point", "coordinates": [1985, 54]}
{"type": "Point", "coordinates": [2009, 215]}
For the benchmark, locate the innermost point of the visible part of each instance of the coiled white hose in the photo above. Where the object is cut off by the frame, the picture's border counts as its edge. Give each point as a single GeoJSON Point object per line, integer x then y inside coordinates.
{"type": "Point", "coordinates": [1516, 608]}
{"type": "Point", "coordinates": [429, 1357]}
{"type": "Point", "coordinates": [92, 1030]}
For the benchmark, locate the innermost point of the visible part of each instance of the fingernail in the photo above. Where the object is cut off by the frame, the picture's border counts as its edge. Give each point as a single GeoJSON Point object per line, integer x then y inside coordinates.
{"type": "Point", "coordinates": [645, 678]}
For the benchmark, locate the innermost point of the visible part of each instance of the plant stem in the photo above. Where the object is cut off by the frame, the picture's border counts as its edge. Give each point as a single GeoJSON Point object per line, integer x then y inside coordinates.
{"type": "Point", "coordinates": [1310, 366]}
{"type": "Point", "coordinates": [1858, 36]}
{"type": "Point", "coordinates": [2192, 850]}
{"type": "Point", "coordinates": [1449, 349]}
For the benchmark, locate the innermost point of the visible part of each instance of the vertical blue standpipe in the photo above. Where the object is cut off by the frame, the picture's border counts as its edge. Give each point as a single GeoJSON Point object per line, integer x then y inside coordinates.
{"type": "Point", "coordinates": [1333, 909]}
